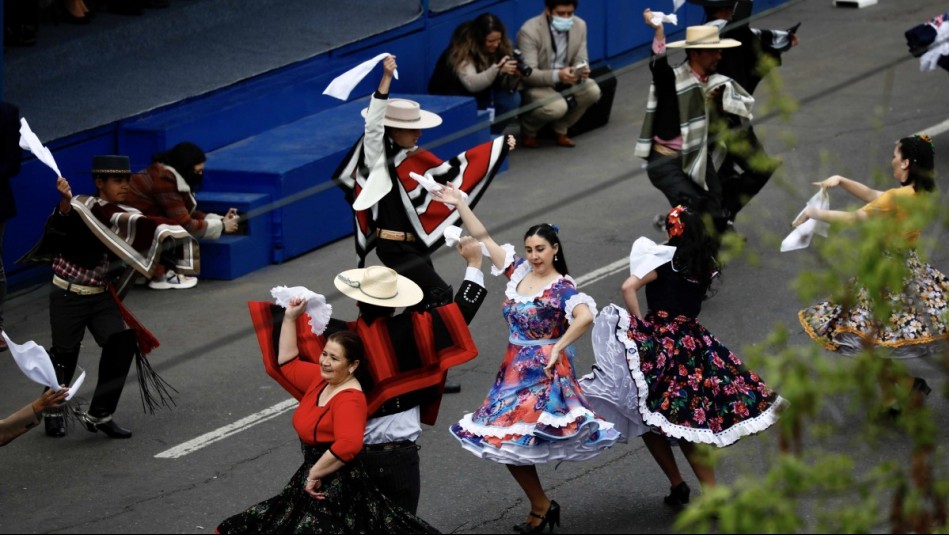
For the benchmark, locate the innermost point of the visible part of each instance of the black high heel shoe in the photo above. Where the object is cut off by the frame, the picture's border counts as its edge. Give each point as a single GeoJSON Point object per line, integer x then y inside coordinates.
{"type": "Point", "coordinates": [920, 385]}
{"type": "Point", "coordinates": [550, 518]}
{"type": "Point", "coordinates": [679, 495]}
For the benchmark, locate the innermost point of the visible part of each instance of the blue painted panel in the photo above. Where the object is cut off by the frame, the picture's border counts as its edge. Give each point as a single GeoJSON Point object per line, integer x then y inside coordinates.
{"type": "Point", "coordinates": [234, 255]}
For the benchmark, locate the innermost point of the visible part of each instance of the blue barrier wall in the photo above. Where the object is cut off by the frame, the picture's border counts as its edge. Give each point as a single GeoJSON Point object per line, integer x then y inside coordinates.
{"type": "Point", "coordinates": [227, 116]}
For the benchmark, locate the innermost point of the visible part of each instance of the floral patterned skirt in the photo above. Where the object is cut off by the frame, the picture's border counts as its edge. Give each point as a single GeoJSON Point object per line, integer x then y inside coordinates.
{"type": "Point", "coordinates": [916, 324]}
{"type": "Point", "coordinates": [353, 505]}
{"type": "Point", "coordinates": [683, 381]}
{"type": "Point", "coordinates": [530, 419]}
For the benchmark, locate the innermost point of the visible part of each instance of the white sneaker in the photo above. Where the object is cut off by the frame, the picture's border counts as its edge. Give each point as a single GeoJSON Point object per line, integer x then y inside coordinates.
{"type": "Point", "coordinates": [173, 280]}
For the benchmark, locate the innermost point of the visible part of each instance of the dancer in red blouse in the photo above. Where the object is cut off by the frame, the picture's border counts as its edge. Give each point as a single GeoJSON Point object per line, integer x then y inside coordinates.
{"type": "Point", "coordinates": [328, 493]}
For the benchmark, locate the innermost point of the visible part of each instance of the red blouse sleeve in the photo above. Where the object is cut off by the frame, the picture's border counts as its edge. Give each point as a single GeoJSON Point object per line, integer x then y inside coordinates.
{"type": "Point", "coordinates": [349, 424]}
{"type": "Point", "coordinates": [301, 374]}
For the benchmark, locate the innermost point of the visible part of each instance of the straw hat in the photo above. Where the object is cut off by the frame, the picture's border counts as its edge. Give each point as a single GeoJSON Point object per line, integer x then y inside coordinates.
{"type": "Point", "coordinates": [403, 113]}
{"type": "Point", "coordinates": [378, 285]}
{"type": "Point", "coordinates": [703, 37]}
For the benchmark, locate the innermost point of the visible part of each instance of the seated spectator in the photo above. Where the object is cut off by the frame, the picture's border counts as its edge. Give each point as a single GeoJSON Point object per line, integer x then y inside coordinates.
{"type": "Point", "coordinates": [554, 46]}
{"type": "Point", "coordinates": [29, 417]}
{"type": "Point", "coordinates": [166, 189]}
{"type": "Point", "coordinates": [480, 62]}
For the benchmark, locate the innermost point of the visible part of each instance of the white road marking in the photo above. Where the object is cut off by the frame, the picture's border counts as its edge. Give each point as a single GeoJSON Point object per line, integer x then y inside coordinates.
{"type": "Point", "coordinates": [220, 433]}
{"type": "Point", "coordinates": [935, 130]}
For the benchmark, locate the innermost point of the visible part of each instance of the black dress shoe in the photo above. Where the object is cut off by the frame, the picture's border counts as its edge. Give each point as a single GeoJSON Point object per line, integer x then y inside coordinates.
{"type": "Point", "coordinates": [55, 423]}
{"type": "Point", "coordinates": [452, 387]}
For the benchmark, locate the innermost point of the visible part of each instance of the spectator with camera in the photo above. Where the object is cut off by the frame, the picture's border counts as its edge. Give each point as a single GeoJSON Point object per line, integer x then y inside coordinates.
{"type": "Point", "coordinates": [481, 62]}
{"type": "Point", "coordinates": [559, 89]}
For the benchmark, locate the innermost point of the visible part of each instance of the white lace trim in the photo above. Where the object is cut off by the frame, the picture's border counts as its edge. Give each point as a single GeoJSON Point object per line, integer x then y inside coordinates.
{"type": "Point", "coordinates": [524, 428]}
{"type": "Point", "coordinates": [578, 448]}
{"type": "Point", "coordinates": [508, 259]}
{"type": "Point", "coordinates": [522, 270]}
{"type": "Point", "coordinates": [690, 434]}
{"type": "Point", "coordinates": [579, 299]}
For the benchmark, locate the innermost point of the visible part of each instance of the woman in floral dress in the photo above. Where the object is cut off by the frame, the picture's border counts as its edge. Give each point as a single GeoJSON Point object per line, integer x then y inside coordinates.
{"type": "Point", "coordinates": [663, 375]}
{"type": "Point", "coordinates": [917, 323]}
{"type": "Point", "coordinates": [535, 411]}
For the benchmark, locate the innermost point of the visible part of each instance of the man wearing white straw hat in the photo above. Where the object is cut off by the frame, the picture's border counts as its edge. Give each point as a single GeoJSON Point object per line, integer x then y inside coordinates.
{"type": "Point", "coordinates": [747, 168]}
{"type": "Point", "coordinates": [686, 103]}
{"type": "Point", "coordinates": [394, 213]}
{"type": "Point", "coordinates": [408, 354]}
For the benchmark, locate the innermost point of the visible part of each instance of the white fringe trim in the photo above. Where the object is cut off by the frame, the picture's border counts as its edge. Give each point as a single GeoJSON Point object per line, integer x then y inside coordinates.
{"type": "Point", "coordinates": [690, 434]}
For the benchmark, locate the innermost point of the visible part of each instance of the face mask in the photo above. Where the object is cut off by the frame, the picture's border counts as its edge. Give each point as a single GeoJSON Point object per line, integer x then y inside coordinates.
{"type": "Point", "coordinates": [561, 24]}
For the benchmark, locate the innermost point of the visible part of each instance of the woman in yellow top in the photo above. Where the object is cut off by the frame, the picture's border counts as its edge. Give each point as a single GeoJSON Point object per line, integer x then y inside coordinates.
{"type": "Point", "coordinates": [917, 318]}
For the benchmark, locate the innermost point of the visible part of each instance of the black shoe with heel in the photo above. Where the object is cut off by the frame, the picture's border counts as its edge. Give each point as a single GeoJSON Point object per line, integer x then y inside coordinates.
{"type": "Point", "coordinates": [551, 518]}
{"type": "Point", "coordinates": [679, 495]}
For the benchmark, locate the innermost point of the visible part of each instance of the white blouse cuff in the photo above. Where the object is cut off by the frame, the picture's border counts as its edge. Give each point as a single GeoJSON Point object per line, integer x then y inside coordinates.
{"type": "Point", "coordinates": [579, 299]}
{"type": "Point", "coordinates": [508, 260]}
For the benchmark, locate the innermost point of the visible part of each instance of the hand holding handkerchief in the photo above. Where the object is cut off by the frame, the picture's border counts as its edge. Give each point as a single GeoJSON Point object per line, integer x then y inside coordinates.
{"type": "Point", "coordinates": [316, 306]}
{"type": "Point", "coordinates": [31, 142]}
{"type": "Point", "coordinates": [35, 363]}
{"type": "Point", "coordinates": [343, 85]}
{"type": "Point", "coordinates": [453, 236]}
{"type": "Point", "coordinates": [800, 237]}
{"type": "Point", "coordinates": [646, 256]}
{"type": "Point", "coordinates": [659, 17]}
{"type": "Point", "coordinates": [432, 186]}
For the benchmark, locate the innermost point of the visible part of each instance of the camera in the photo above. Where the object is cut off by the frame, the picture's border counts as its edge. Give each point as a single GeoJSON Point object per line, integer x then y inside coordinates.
{"type": "Point", "coordinates": [525, 69]}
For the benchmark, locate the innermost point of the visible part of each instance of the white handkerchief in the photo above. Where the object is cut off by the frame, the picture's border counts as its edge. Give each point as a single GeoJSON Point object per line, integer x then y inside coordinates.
{"type": "Point", "coordinates": [29, 141]}
{"type": "Point", "coordinates": [659, 17]}
{"type": "Point", "coordinates": [800, 237]}
{"type": "Point", "coordinates": [453, 236]}
{"type": "Point", "coordinates": [431, 185]}
{"type": "Point", "coordinates": [646, 256]}
{"type": "Point", "coordinates": [35, 363]}
{"type": "Point", "coordinates": [343, 85]}
{"type": "Point", "coordinates": [316, 306]}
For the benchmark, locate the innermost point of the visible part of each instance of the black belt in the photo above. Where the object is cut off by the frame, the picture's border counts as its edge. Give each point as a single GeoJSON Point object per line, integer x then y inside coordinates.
{"type": "Point", "coordinates": [385, 446]}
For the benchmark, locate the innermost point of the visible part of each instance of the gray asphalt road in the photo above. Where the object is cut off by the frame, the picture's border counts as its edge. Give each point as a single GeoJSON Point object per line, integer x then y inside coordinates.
{"type": "Point", "coordinates": [858, 93]}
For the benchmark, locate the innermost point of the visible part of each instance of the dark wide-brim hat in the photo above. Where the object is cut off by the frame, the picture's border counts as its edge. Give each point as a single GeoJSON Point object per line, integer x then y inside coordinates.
{"type": "Point", "coordinates": [111, 164]}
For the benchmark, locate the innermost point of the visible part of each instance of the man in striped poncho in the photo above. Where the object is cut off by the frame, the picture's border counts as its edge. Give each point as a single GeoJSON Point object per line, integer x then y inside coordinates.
{"type": "Point", "coordinates": [685, 102]}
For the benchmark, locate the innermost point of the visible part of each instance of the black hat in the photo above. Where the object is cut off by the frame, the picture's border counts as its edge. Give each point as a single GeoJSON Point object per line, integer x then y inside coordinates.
{"type": "Point", "coordinates": [713, 3]}
{"type": "Point", "coordinates": [111, 165]}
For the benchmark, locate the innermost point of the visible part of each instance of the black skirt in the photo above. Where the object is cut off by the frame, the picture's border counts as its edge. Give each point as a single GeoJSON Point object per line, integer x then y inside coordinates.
{"type": "Point", "coordinates": [353, 504]}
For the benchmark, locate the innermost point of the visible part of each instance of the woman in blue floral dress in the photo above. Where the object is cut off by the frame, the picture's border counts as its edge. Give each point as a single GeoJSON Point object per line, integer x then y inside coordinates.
{"type": "Point", "coordinates": [664, 375]}
{"type": "Point", "coordinates": [535, 411]}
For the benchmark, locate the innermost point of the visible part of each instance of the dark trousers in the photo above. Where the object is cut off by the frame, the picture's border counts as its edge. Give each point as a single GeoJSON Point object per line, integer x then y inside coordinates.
{"type": "Point", "coordinates": [413, 262]}
{"type": "Point", "coordinates": [396, 473]}
{"type": "Point", "coordinates": [70, 315]}
{"type": "Point", "coordinates": [666, 174]}
{"type": "Point", "coordinates": [745, 172]}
